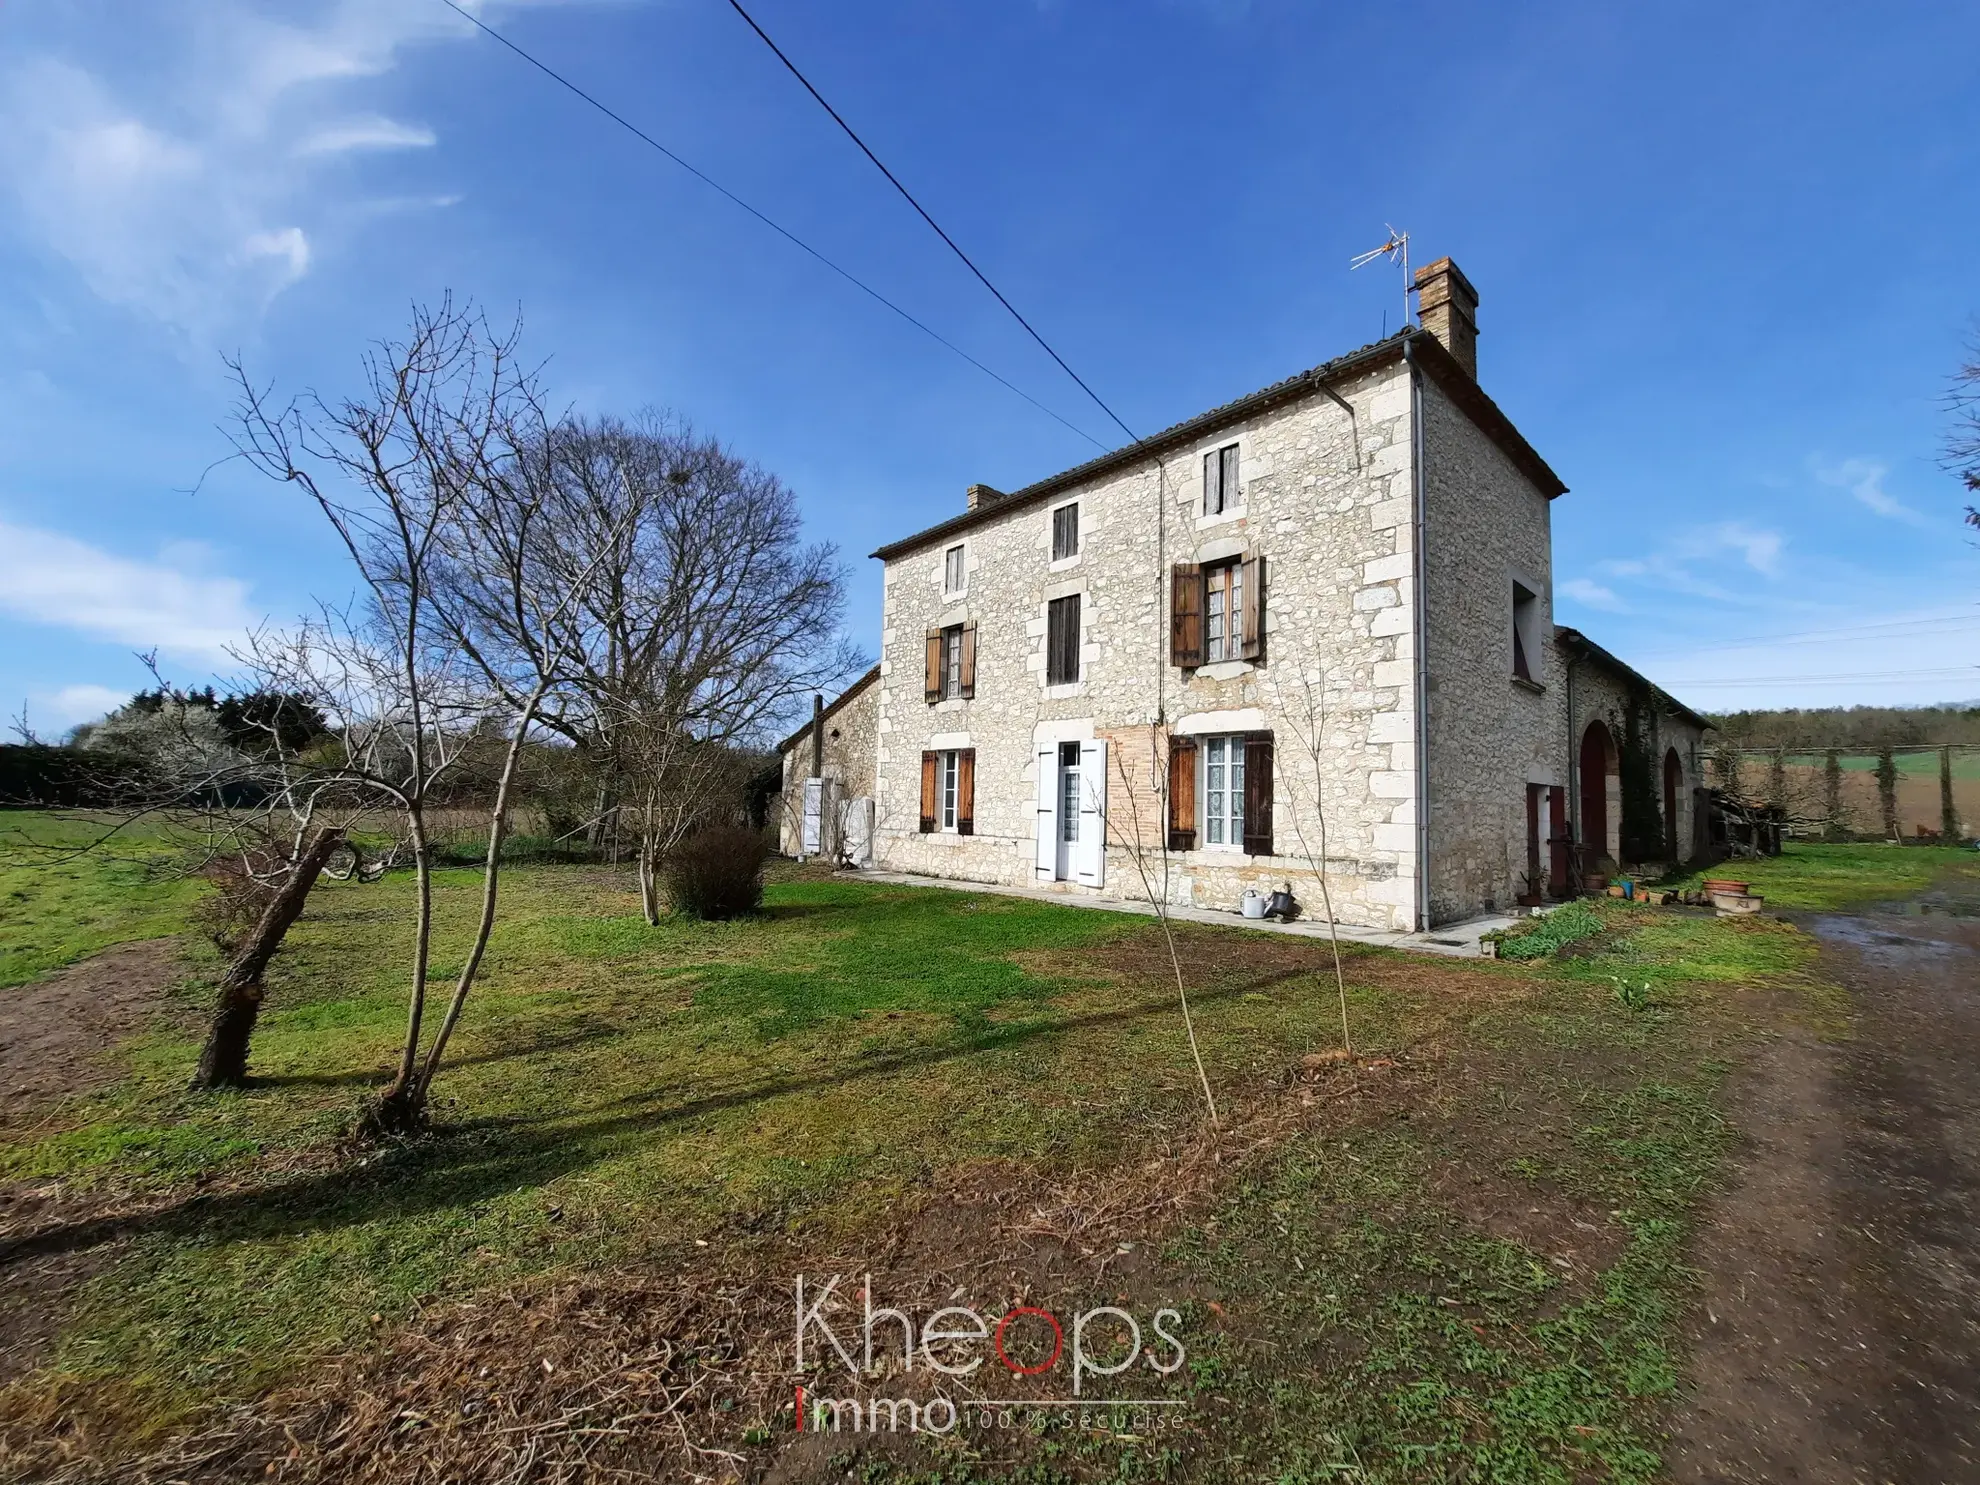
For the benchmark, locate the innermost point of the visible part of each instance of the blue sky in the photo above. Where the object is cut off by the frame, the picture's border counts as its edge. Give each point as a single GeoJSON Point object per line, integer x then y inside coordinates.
{"type": "Point", "coordinates": [1725, 257]}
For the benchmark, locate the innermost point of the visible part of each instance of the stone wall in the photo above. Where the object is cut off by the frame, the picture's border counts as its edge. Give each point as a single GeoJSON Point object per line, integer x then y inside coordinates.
{"type": "Point", "coordinates": [1327, 501]}
{"type": "Point", "coordinates": [1487, 527]}
{"type": "Point", "coordinates": [1600, 692]}
{"type": "Point", "coordinates": [852, 737]}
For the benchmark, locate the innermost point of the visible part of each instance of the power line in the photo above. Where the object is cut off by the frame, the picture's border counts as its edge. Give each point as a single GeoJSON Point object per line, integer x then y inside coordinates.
{"type": "Point", "coordinates": [781, 231]}
{"type": "Point", "coordinates": [1924, 625]}
{"type": "Point", "coordinates": [1866, 677]}
{"type": "Point", "coordinates": [908, 196]}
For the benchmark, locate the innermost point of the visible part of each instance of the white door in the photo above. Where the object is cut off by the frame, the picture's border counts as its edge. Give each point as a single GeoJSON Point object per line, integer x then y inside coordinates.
{"type": "Point", "coordinates": [1067, 855]}
{"type": "Point", "coordinates": [1046, 847]}
{"type": "Point", "coordinates": [1089, 859]}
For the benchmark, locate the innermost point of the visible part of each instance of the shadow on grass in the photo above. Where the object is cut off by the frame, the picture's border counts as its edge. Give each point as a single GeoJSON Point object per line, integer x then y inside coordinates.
{"type": "Point", "coordinates": [462, 1164]}
{"type": "Point", "coordinates": [383, 1071]}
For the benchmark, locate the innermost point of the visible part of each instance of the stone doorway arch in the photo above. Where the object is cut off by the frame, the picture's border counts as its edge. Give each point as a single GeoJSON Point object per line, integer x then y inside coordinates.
{"type": "Point", "coordinates": [1600, 797]}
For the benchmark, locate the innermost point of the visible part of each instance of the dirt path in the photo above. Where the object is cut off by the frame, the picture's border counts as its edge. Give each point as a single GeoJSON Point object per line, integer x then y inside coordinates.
{"type": "Point", "coordinates": [1839, 1339]}
{"type": "Point", "coordinates": [54, 1037]}
{"type": "Point", "coordinates": [53, 1032]}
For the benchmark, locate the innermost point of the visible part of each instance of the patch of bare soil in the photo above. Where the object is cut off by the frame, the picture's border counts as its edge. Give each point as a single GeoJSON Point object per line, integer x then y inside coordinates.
{"type": "Point", "coordinates": [54, 1032]}
{"type": "Point", "coordinates": [1839, 1335]}
{"type": "Point", "coordinates": [54, 1036]}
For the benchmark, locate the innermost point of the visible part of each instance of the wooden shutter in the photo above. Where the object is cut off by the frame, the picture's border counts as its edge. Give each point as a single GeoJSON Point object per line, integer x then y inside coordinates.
{"type": "Point", "coordinates": [932, 679]}
{"type": "Point", "coordinates": [1213, 497]}
{"type": "Point", "coordinates": [1182, 793]}
{"type": "Point", "coordinates": [969, 659]}
{"type": "Point", "coordinates": [1227, 477]}
{"type": "Point", "coordinates": [1252, 575]}
{"type": "Point", "coordinates": [931, 781]}
{"type": "Point", "coordinates": [966, 791]}
{"type": "Point", "coordinates": [1186, 615]}
{"type": "Point", "coordinates": [1258, 794]}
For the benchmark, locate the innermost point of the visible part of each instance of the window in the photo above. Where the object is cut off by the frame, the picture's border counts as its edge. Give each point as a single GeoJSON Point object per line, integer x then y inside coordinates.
{"type": "Point", "coordinates": [1069, 793]}
{"type": "Point", "coordinates": [953, 572]}
{"type": "Point", "coordinates": [1062, 641]}
{"type": "Point", "coordinates": [951, 664]}
{"type": "Point", "coordinates": [1223, 611]}
{"type": "Point", "coordinates": [948, 791]}
{"type": "Point", "coordinates": [1220, 480]}
{"type": "Point", "coordinates": [1223, 790]}
{"type": "Point", "coordinates": [1065, 532]}
{"type": "Point", "coordinates": [1217, 612]}
{"type": "Point", "coordinates": [1526, 632]}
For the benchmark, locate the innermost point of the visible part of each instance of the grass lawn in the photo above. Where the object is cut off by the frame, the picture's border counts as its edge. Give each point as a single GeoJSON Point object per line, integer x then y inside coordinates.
{"type": "Point", "coordinates": [1812, 877]}
{"type": "Point", "coordinates": [56, 908]}
{"type": "Point", "coordinates": [1458, 1254]}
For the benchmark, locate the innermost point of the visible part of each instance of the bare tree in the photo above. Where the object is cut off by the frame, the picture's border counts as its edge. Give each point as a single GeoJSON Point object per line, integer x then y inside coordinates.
{"type": "Point", "coordinates": [1132, 830]}
{"type": "Point", "coordinates": [1963, 440]}
{"type": "Point", "coordinates": [427, 450]}
{"type": "Point", "coordinates": [1310, 726]}
{"type": "Point", "coordinates": [709, 618]}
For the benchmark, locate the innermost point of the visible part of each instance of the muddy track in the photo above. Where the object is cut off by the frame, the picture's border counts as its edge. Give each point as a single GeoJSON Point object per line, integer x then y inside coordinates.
{"type": "Point", "coordinates": [1839, 1334]}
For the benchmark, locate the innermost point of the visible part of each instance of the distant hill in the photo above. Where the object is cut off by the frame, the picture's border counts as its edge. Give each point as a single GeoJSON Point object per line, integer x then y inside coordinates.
{"type": "Point", "coordinates": [1857, 727]}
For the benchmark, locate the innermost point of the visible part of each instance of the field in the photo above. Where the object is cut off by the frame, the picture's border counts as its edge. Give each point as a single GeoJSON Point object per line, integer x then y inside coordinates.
{"type": "Point", "coordinates": [1458, 1252]}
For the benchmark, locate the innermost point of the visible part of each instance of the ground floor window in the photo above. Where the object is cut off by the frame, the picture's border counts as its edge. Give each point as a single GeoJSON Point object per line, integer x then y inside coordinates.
{"type": "Point", "coordinates": [1223, 790]}
{"type": "Point", "coordinates": [948, 790]}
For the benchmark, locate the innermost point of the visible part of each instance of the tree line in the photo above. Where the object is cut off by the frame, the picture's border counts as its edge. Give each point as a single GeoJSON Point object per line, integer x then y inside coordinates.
{"type": "Point", "coordinates": [1861, 729]}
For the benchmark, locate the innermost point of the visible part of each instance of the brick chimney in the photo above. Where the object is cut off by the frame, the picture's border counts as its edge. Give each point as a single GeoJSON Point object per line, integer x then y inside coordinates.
{"type": "Point", "coordinates": [981, 495]}
{"type": "Point", "coordinates": [1447, 306]}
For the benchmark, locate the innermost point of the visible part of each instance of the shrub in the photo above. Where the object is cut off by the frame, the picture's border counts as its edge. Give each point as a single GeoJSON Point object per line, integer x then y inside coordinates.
{"type": "Point", "coordinates": [1569, 923]}
{"type": "Point", "coordinates": [717, 872]}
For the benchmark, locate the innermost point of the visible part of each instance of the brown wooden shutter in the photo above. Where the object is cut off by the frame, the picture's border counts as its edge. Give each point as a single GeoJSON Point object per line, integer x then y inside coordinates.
{"type": "Point", "coordinates": [932, 678]}
{"type": "Point", "coordinates": [969, 659]}
{"type": "Point", "coordinates": [931, 768]}
{"type": "Point", "coordinates": [1186, 615]}
{"type": "Point", "coordinates": [1252, 575]}
{"type": "Point", "coordinates": [966, 792]}
{"type": "Point", "coordinates": [1182, 793]}
{"type": "Point", "coordinates": [1258, 794]}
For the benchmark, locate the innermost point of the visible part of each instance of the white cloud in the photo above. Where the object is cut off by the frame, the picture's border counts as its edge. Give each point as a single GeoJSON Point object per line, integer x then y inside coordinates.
{"type": "Point", "coordinates": [1592, 594]}
{"type": "Point", "coordinates": [54, 579]}
{"type": "Point", "coordinates": [72, 705]}
{"type": "Point", "coordinates": [1760, 549]}
{"type": "Point", "coordinates": [185, 187]}
{"type": "Point", "coordinates": [371, 132]}
{"type": "Point", "coordinates": [1865, 480]}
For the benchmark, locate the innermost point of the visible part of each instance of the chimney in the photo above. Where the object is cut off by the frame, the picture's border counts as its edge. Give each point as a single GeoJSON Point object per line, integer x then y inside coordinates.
{"type": "Point", "coordinates": [981, 495]}
{"type": "Point", "coordinates": [1447, 306]}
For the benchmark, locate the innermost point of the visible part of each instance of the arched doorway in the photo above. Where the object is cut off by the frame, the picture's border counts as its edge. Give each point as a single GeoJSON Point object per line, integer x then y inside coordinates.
{"type": "Point", "coordinates": [1598, 758]}
{"type": "Point", "coordinates": [1673, 785]}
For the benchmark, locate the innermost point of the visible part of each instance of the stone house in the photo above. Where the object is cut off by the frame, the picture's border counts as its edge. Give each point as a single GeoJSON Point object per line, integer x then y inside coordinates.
{"type": "Point", "coordinates": [1310, 627]}
{"type": "Point", "coordinates": [838, 745]}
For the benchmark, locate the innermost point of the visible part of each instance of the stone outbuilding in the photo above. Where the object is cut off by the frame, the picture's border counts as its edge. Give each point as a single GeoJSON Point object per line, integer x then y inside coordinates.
{"type": "Point", "coordinates": [1308, 631]}
{"type": "Point", "coordinates": [838, 747]}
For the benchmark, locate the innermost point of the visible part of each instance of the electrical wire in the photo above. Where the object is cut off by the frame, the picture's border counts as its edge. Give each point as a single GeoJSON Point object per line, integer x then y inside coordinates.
{"type": "Point", "coordinates": [1920, 627]}
{"type": "Point", "coordinates": [781, 231]}
{"type": "Point", "coordinates": [922, 211]}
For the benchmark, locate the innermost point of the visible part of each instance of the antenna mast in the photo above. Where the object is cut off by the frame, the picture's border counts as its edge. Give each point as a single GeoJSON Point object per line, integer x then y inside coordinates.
{"type": "Point", "coordinates": [1396, 249]}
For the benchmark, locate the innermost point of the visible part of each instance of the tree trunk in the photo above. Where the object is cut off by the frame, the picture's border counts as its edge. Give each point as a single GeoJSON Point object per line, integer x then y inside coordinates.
{"type": "Point", "coordinates": [649, 894]}
{"type": "Point", "coordinates": [1948, 810]}
{"type": "Point", "coordinates": [223, 1061]}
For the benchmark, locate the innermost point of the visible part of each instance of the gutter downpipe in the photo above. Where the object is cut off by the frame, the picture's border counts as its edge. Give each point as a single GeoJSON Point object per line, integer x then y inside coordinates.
{"type": "Point", "coordinates": [1419, 503]}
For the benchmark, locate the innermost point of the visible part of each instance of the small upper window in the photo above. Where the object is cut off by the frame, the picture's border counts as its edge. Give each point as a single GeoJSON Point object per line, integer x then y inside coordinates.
{"type": "Point", "coordinates": [1526, 631]}
{"type": "Point", "coordinates": [1223, 612]}
{"type": "Point", "coordinates": [952, 569]}
{"type": "Point", "coordinates": [1065, 532]}
{"type": "Point", "coordinates": [1220, 480]}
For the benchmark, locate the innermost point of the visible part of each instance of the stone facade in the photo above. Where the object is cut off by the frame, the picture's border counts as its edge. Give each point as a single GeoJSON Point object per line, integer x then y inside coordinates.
{"type": "Point", "coordinates": [852, 735]}
{"type": "Point", "coordinates": [1326, 499]}
{"type": "Point", "coordinates": [1370, 693]}
{"type": "Point", "coordinates": [1598, 691]}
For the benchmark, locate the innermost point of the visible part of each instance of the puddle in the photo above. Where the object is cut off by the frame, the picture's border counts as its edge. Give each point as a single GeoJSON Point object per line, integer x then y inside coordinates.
{"type": "Point", "coordinates": [1875, 940]}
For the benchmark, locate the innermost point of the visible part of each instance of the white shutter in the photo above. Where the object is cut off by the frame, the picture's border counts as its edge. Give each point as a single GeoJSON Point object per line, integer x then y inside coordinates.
{"type": "Point", "coordinates": [811, 837]}
{"type": "Point", "coordinates": [1046, 857]}
{"type": "Point", "coordinates": [1090, 861]}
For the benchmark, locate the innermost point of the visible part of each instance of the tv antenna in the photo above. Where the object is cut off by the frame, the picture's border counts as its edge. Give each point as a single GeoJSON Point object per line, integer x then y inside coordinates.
{"type": "Point", "coordinates": [1396, 249]}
